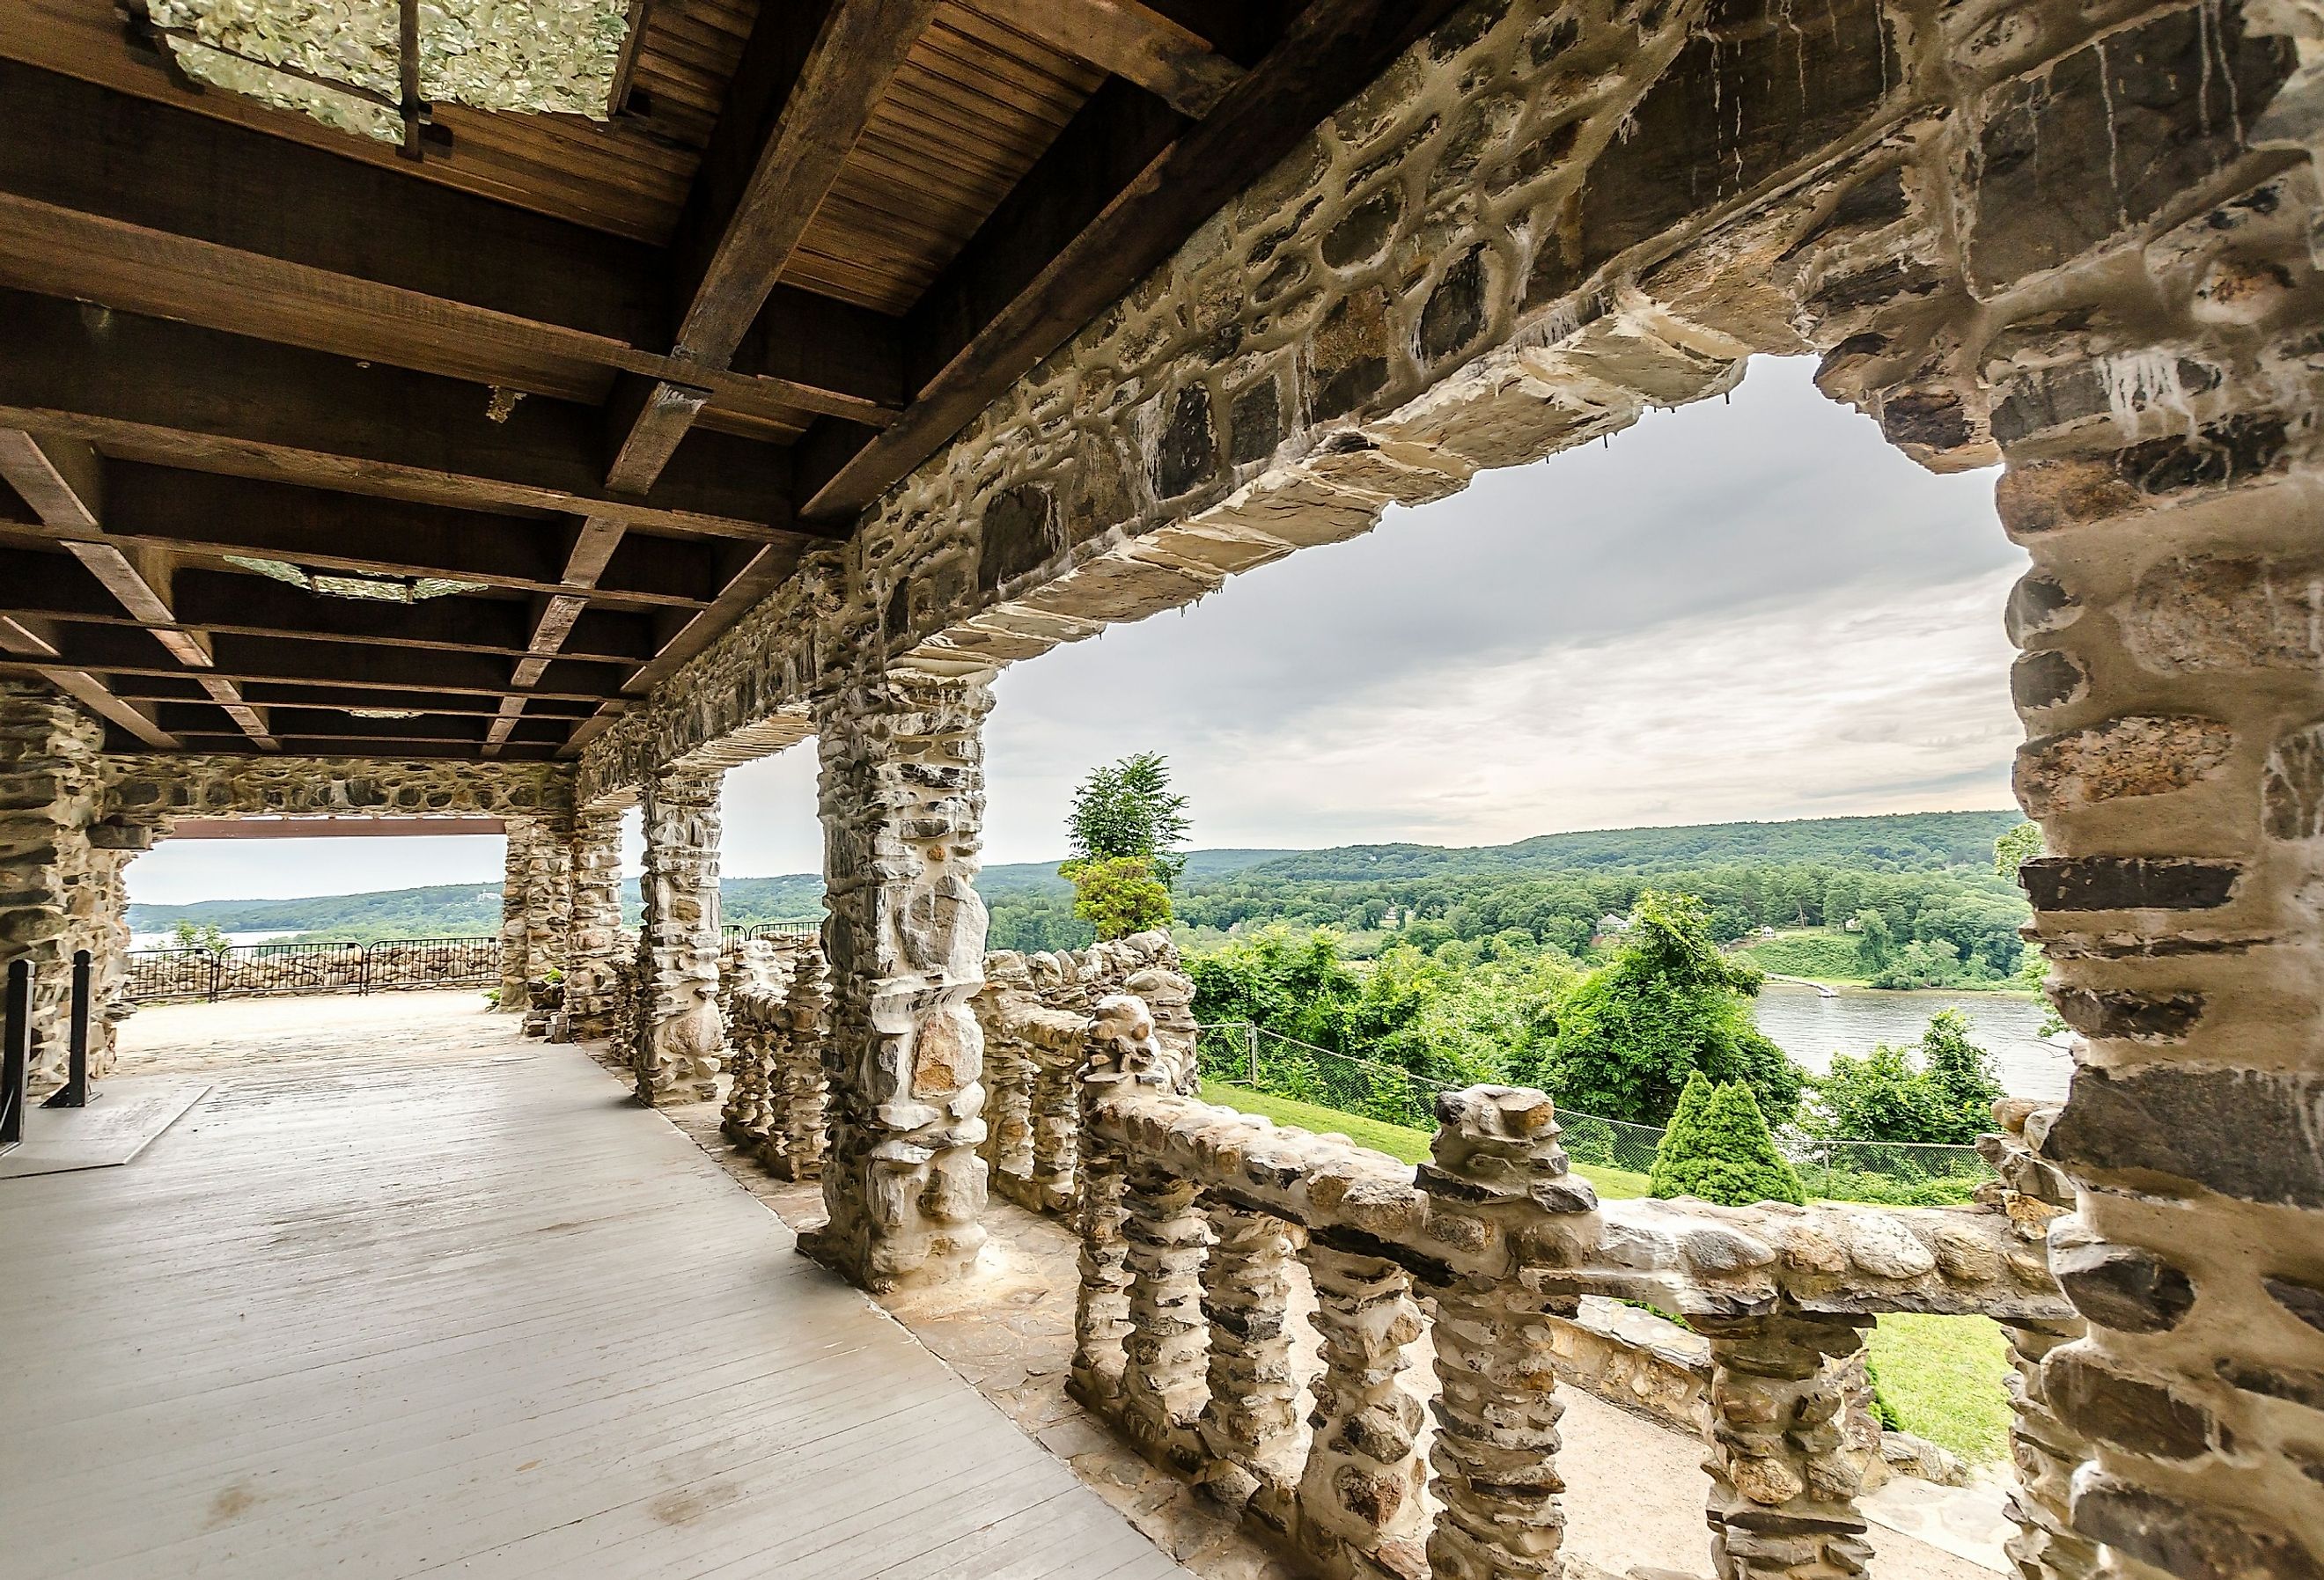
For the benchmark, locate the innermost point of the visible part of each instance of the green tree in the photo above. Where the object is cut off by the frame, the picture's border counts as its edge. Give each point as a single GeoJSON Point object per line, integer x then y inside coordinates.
{"type": "Point", "coordinates": [2015, 847]}
{"type": "Point", "coordinates": [1946, 1099]}
{"type": "Point", "coordinates": [1668, 1006]}
{"type": "Point", "coordinates": [205, 936]}
{"type": "Point", "coordinates": [1922, 963]}
{"type": "Point", "coordinates": [1119, 895]}
{"type": "Point", "coordinates": [1718, 1149]}
{"type": "Point", "coordinates": [1126, 808]}
{"type": "Point", "coordinates": [1876, 941]}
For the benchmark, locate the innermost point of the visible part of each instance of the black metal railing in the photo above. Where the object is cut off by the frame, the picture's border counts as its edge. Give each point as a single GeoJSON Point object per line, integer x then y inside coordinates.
{"type": "Point", "coordinates": [736, 932]}
{"type": "Point", "coordinates": [259, 970]}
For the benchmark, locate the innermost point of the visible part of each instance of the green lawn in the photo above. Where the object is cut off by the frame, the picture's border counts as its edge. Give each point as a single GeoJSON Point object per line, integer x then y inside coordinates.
{"type": "Point", "coordinates": [1944, 1378]}
{"type": "Point", "coordinates": [1941, 1374]}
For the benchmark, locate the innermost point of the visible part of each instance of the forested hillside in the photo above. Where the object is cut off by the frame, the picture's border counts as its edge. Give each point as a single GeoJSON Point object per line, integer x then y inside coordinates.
{"type": "Point", "coordinates": [1929, 875]}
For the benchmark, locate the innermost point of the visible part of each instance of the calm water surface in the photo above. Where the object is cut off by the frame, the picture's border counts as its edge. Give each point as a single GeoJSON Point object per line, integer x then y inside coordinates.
{"type": "Point", "coordinates": [1812, 1028]}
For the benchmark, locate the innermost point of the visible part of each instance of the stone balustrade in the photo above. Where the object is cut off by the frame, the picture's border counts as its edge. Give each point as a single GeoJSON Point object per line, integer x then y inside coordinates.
{"type": "Point", "coordinates": [1192, 1218]}
{"type": "Point", "coordinates": [778, 1024]}
{"type": "Point", "coordinates": [1035, 1010]}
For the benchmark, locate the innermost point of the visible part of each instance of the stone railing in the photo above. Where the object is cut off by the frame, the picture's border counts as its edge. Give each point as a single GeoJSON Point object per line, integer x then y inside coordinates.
{"type": "Point", "coordinates": [777, 1022]}
{"type": "Point", "coordinates": [1035, 1010]}
{"type": "Point", "coordinates": [1195, 1222]}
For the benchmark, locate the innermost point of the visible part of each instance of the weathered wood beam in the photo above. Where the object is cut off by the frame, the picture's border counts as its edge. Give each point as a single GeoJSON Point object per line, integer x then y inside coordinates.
{"type": "Point", "coordinates": [364, 666]}
{"type": "Point", "coordinates": [20, 641]}
{"type": "Point", "coordinates": [1137, 44]}
{"type": "Point", "coordinates": [1011, 297]}
{"type": "Point", "coordinates": [155, 390]}
{"type": "Point", "coordinates": [162, 690]}
{"type": "Point", "coordinates": [151, 209]}
{"type": "Point", "coordinates": [204, 514]}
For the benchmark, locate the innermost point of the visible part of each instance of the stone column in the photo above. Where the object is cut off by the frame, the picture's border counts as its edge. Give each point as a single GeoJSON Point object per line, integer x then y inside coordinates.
{"type": "Point", "coordinates": [1250, 1424]}
{"type": "Point", "coordinates": [2171, 686]}
{"type": "Point", "coordinates": [797, 1084]}
{"type": "Point", "coordinates": [1782, 1479]}
{"type": "Point", "coordinates": [113, 845]}
{"type": "Point", "coordinates": [1496, 1159]}
{"type": "Point", "coordinates": [535, 909]}
{"type": "Point", "coordinates": [750, 1039]}
{"type": "Point", "coordinates": [679, 1037]}
{"type": "Point", "coordinates": [1102, 1303]}
{"type": "Point", "coordinates": [903, 804]}
{"type": "Point", "coordinates": [48, 799]}
{"type": "Point", "coordinates": [1360, 1494]}
{"type": "Point", "coordinates": [593, 941]}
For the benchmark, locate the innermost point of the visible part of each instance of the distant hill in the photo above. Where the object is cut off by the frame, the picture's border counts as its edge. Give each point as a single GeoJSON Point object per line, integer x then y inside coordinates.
{"type": "Point", "coordinates": [1910, 842]}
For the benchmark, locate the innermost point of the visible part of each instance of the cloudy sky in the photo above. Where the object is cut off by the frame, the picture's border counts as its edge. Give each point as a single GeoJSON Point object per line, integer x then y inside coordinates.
{"type": "Point", "coordinates": [1741, 609]}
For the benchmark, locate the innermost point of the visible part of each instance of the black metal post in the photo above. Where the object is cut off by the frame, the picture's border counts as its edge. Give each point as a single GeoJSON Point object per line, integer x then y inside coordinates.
{"type": "Point", "coordinates": [16, 1051]}
{"type": "Point", "coordinates": [75, 1092]}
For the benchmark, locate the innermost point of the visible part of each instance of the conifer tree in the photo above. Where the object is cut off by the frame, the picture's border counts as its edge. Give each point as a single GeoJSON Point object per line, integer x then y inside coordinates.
{"type": "Point", "coordinates": [1719, 1148]}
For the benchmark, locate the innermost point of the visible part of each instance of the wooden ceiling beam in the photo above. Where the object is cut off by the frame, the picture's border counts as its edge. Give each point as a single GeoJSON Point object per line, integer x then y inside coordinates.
{"type": "Point", "coordinates": [160, 691]}
{"type": "Point", "coordinates": [18, 639]}
{"type": "Point", "coordinates": [361, 666]}
{"type": "Point", "coordinates": [151, 208]}
{"type": "Point", "coordinates": [156, 389]}
{"type": "Point", "coordinates": [206, 514]}
{"type": "Point", "coordinates": [1137, 44]}
{"type": "Point", "coordinates": [1021, 289]}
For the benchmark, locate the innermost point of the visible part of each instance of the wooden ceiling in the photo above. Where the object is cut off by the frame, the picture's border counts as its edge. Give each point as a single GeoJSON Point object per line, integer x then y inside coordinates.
{"type": "Point", "coordinates": [589, 389]}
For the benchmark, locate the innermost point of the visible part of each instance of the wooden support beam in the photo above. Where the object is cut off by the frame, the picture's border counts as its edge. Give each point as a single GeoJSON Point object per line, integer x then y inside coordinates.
{"type": "Point", "coordinates": [158, 391]}
{"type": "Point", "coordinates": [1012, 297]}
{"type": "Point", "coordinates": [361, 666]}
{"type": "Point", "coordinates": [206, 515]}
{"type": "Point", "coordinates": [1134, 43]}
{"type": "Point", "coordinates": [151, 209]}
{"type": "Point", "coordinates": [164, 693]}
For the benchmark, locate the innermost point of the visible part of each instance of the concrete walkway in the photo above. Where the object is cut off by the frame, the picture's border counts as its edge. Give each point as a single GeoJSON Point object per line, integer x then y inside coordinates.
{"type": "Point", "coordinates": [405, 1295]}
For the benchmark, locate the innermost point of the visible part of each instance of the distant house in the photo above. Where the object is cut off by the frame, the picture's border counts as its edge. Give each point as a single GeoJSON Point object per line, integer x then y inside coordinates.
{"type": "Point", "coordinates": [1609, 923]}
{"type": "Point", "coordinates": [1854, 924]}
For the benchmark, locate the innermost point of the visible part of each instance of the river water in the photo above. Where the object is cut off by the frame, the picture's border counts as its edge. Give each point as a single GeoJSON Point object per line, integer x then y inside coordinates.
{"type": "Point", "coordinates": [1812, 1028]}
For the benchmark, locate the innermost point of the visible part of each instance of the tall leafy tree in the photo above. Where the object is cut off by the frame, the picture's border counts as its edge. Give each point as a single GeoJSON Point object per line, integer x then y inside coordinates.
{"type": "Point", "coordinates": [1946, 1099]}
{"type": "Point", "coordinates": [2014, 848]}
{"type": "Point", "coordinates": [1126, 828]}
{"type": "Point", "coordinates": [1668, 1006]}
{"type": "Point", "coordinates": [1126, 808]}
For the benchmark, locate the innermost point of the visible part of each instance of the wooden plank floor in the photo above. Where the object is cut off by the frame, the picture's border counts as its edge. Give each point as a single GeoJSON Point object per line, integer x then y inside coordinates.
{"type": "Point", "coordinates": [473, 1314]}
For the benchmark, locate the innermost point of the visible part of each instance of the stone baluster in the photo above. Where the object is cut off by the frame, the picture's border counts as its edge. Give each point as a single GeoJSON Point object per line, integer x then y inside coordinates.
{"type": "Point", "coordinates": [1163, 1384]}
{"type": "Point", "coordinates": [1359, 1497]}
{"type": "Point", "coordinates": [902, 798]}
{"type": "Point", "coordinates": [1102, 1305]}
{"type": "Point", "coordinates": [679, 1038]}
{"type": "Point", "coordinates": [795, 1134]}
{"type": "Point", "coordinates": [749, 1109]}
{"type": "Point", "coordinates": [592, 951]}
{"type": "Point", "coordinates": [1495, 1162]}
{"type": "Point", "coordinates": [1783, 1481]}
{"type": "Point", "coordinates": [1249, 1425]}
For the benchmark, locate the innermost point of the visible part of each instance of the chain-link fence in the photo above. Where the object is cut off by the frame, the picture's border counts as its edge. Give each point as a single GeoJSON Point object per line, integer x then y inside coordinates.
{"type": "Point", "coordinates": [1896, 1173]}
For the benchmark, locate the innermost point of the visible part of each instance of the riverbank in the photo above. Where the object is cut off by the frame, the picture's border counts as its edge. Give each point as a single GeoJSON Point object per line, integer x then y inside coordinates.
{"type": "Point", "coordinates": [1812, 1027]}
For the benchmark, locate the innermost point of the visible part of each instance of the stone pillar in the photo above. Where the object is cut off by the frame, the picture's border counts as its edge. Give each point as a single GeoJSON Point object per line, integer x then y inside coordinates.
{"type": "Point", "coordinates": [48, 799]}
{"type": "Point", "coordinates": [679, 1037]}
{"type": "Point", "coordinates": [536, 910]}
{"type": "Point", "coordinates": [1360, 1503]}
{"type": "Point", "coordinates": [1250, 1424]}
{"type": "Point", "coordinates": [1496, 1158]}
{"type": "Point", "coordinates": [751, 1038]}
{"type": "Point", "coordinates": [1102, 1303]}
{"type": "Point", "coordinates": [1784, 1482]}
{"type": "Point", "coordinates": [113, 845]}
{"type": "Point", "coordinates": [2172, 685]}
{"type": "Point", "coordinates": [592, 942]}
{"type": "Point", "coordinates": [903, 804]}
{"type": "Point", "coordinates": [797, 1084]}
{"type": "Point", "coordinates": [1163, 1381]}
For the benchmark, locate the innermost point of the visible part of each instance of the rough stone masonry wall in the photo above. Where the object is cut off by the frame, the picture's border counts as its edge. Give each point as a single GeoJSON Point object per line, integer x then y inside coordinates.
{"type": "Point", "coordinates": [593, 948]}
{"type": "Point", "coordinates": [152, 785]}
{"type": "Point", "coordinates": [2078, 238]}
{"type": "Point", "coordinates": [902, 797]}
{"type": "Point", "coordinates": [678, 1034]}
{"type": "Point", "coordinates": [51, 889]}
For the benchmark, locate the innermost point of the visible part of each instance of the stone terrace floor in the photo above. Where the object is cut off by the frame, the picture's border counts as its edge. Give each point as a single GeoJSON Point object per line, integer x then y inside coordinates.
{"type": "Point", "coordinates": [1636, 1488]}
{"type": "Point", "coordinates": [407, 1295]}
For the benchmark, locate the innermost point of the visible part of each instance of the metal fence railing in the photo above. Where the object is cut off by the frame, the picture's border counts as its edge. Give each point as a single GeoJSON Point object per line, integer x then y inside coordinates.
{"type": "Point", "coordinates": [736, 932]}
{"type": "Point", "coordinates": [256, 970]}
{"type": "Point", "coordinates": [1896, 1173]}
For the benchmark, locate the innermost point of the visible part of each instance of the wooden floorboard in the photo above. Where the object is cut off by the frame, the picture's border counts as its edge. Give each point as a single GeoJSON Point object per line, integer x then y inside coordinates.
{"type": "Point", "coordinates": [478, 1315]}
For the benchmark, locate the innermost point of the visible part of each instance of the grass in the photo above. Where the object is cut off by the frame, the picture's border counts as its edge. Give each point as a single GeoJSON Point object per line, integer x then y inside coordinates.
{"type": "Point", "coordinates": [1817, 954]}
{"type": "Point", "coordinates": [1942, 1375]}
{"type": "Point", "coordinates": [1944, 1378]}
{"type": "Point", "coordinates": [1395, 1139]}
